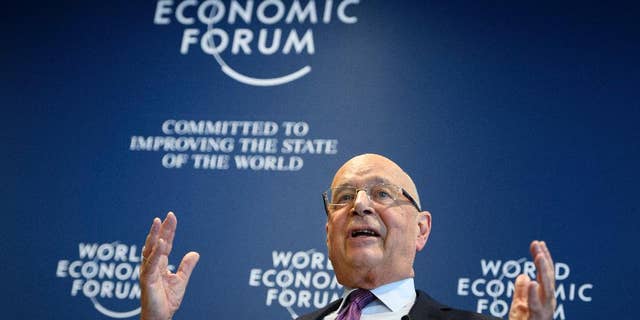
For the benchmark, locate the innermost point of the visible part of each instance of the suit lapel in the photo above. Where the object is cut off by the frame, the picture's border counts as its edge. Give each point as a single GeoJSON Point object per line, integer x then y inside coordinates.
{"type": "Point", "coordinates": [321, 313]}
{"type": "Point", "coordinates": [427, 308]}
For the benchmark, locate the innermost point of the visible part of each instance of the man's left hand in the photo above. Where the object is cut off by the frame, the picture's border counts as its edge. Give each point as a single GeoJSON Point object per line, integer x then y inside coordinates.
{"type": "Point", "coordinates": [535, 300]}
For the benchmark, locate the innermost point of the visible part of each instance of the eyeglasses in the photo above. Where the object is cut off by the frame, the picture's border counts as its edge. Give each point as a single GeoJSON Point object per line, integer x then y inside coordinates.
{"type": "Point", "coordinates": [345, 196]}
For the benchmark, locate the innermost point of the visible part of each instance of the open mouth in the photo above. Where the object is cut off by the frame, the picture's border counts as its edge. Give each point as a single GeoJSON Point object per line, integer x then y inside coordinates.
{"type": "Point", "coordinates": [364, 233]}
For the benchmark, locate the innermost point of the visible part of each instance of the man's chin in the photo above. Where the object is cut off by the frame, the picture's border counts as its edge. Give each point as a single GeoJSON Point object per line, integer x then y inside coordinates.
{"type": "Point", "coordinates": [364, 256]}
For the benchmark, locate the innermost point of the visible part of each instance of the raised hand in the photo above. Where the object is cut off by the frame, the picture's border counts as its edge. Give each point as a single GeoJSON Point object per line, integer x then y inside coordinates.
{"type": "Point", "coordinates": [535, 300]}
{"type": "Point", "coordinates": [162, 290]}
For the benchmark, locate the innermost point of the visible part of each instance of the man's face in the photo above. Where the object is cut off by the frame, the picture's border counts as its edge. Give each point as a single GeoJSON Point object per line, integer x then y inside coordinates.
{"type": "Point", "coordinates": [372, 244]}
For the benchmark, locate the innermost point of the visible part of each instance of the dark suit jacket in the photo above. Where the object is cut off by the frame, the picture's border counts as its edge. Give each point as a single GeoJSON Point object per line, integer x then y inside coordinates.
{"type": "Point", "coordinates": [425, 308]}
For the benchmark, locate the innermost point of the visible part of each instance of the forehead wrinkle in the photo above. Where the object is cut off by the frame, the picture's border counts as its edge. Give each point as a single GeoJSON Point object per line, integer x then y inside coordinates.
{"type": "Point", "coordinates": [370, 181]}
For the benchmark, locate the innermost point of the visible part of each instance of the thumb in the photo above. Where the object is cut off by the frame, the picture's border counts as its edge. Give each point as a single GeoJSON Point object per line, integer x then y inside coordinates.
{"type": "Point", "coordinates": [187, 265]}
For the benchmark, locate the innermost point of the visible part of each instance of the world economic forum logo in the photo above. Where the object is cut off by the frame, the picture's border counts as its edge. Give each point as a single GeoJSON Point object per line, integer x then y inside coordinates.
{"type": "Point", "coordinates": [299, 281]}
{"type": "Point", "coordinates": [282, 31]}
{"type": "Point", "coordinates": [496, 286]}
{"type": "Point", "coordinates": [107, 274]}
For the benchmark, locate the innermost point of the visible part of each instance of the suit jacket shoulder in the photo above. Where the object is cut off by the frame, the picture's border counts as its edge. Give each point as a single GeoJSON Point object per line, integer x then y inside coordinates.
{"type": "Point", "coordinates": [428, 308]}
{"type": "Point", "coordinates": [321, 313]}
{"type": "Point", "coordinates": [425, 308]}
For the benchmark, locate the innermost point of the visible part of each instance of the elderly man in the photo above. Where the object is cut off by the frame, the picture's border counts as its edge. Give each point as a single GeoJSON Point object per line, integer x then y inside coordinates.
{"type": "Point", "coordinates": [374, 229]}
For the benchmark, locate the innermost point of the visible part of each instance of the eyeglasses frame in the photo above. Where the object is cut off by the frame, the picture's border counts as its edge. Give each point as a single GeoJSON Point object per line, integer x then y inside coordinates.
{"type": "Point", "coordinates": [405, 193]}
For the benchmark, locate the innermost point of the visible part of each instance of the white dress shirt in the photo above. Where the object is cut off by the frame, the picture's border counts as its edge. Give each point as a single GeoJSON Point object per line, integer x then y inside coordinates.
{"type": "Point", "coordinates": [394, 300]}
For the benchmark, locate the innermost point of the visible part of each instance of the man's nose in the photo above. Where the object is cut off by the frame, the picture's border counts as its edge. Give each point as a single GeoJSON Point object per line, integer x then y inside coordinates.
{"type": "Point", "coordinates": [362, 203]}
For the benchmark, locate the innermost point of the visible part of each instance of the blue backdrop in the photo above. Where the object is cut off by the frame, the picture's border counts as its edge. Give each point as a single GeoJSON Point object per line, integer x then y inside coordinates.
{"type": "Point", "coordinates": [516, 121]}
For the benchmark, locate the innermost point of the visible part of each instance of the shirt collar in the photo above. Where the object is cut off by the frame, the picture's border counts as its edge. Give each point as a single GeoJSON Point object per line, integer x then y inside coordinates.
{"type": "Point", "coordinates": [393, 296]}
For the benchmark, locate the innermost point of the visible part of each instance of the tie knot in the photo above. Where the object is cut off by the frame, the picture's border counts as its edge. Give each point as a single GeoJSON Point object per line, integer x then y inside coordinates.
{"type": "Point", "coordinates": [361, 298]}
{"type": "Point", "coordinates": [357, 300]}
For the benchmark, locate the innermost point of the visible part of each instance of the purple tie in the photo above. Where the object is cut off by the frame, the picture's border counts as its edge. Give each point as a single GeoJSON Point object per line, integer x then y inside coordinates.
{"type": "Point", "coordinates": [357, 300]}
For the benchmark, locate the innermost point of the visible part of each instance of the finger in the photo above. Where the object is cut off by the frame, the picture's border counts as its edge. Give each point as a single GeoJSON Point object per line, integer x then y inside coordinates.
{"type": "Point", "coordinates": [155, 262]}
{"type": "Point", "coordinates": [152, 238]}
{"type": "Point", "coordinates": [522, 284]}
{"type": "Point", "coordinates": [549, 261]}
{"type": "Point", "coordinates": [546, 273]}
{"type": "Point", "coordinates": [538, 259]}
{"type": "Point", "coordinates": [168, 231]}
{"type": "Point", "coordinates": [547, 279]}
{"type": "Point", "coordinates": [535, 306]}
{"type": "Point", "coordinates": [546, 252]}
{"type": "Point", "coordinates": [534, 248]}
{"type": "Point", "coordinates": [519, 306]}
{"type": "Point", "coordinates": [544, 277]}
{"type": "Point", "coordinates": [187, 265]}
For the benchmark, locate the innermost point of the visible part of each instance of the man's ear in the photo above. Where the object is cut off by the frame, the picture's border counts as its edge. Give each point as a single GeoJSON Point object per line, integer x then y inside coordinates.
{"type": "Point", "coordinates": [424, 228]}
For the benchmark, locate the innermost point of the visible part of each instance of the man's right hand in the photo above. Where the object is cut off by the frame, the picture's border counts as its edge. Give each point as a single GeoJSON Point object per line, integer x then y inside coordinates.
{"type": "Point", "coordinates": [162, 290]}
